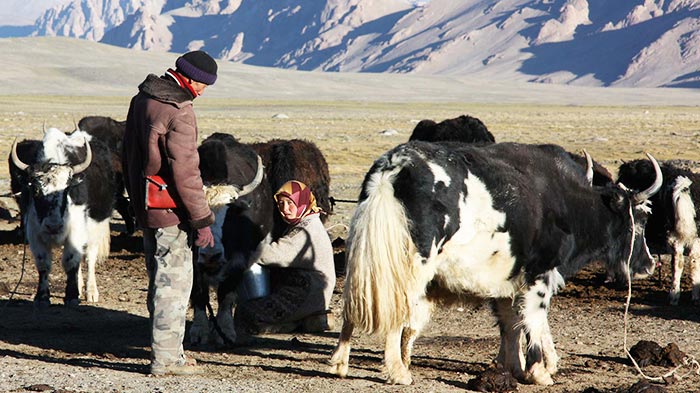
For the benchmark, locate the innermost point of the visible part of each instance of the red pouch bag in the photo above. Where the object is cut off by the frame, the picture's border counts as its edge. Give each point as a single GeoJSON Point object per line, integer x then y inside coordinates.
{"type": "Point", "coordinates": [157, 195]}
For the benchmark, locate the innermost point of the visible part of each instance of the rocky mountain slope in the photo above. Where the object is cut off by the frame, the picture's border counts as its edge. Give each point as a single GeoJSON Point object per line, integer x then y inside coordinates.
{"type": "Point", "coordinates": [639, 43]}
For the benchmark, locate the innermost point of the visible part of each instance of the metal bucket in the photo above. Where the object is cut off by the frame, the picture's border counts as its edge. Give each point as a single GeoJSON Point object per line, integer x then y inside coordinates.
{"type": "Point", "coordinates": [255, 283]}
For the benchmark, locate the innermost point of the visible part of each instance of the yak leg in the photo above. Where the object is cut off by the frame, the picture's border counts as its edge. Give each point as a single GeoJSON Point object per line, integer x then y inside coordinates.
{"type": "Point", "coordinates": [397, 372]}
{"type": "Point", "coordinates": [541, 356]}
{"type": "Point", "coordinates": [677, 261]}
{"type": "Point", "coordinates": [81, 279]}
{"type": "Point", "coordinates": [551, 359]}
{"type": "Point", "coordinates": [121, 205]}
{"type": "Point", "coordinates": [510, 354]}
{"type": "Point", "coordinates": [42, 260]}
{"type": "Point", "coordinates": [420, 316]}
{"type": "Point", "coordinates": [96, 250]}
{"type": "Point", "coordinates": [199, 297]}
{"type": "Point", "coordinates": [199, 331]}
{"type": "Point", "coordinates": [695, 270]}
{"type": "Point", "coordinates": [341, 355]}
{"type": "Point", "coordinates": [75, 248]}
{"type": "Point", "coordinates": [42, 253]}
{"type": "Point", "coordinates": [71, 265]}
{"type": "Point", "coordinates": [227, 296]}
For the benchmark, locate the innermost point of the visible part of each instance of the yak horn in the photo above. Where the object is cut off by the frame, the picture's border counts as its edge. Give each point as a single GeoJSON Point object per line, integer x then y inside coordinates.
{"type": "Point", "coordinates": [248, 188]}
{"type": "Point", "coordinates": [224, 194]}
{"type": "Point", "coordinates": [15, 159]}
{"type": "Point", "coordinates": [86, 163]}
{"type": "Point", "coordinates": [656, 186]}
{"type": "Point", "coordinates": [589, 168]}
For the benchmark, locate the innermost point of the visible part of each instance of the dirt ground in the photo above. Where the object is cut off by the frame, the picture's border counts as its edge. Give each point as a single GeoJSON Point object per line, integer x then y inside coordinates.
{"type": "Point", "coordinates": [103, 347]}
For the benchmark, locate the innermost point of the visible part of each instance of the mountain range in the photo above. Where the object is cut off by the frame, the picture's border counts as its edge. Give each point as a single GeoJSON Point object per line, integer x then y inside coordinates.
{"type": "Point", "coordinates": [633, 43]}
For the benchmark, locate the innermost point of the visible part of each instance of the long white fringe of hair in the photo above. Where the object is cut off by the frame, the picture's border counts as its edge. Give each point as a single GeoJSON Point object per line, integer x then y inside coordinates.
{"type": "Point", "coordinates": [684, 209]}
{"type": "Point", "coordinates": [379, 268]}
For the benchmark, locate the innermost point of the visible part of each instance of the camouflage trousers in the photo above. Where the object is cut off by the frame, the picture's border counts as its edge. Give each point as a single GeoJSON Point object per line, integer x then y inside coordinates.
{"type": "Point", "coordinates": [169, 262]}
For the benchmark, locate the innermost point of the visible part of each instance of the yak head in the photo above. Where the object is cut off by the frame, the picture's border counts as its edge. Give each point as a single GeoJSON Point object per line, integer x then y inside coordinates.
{"type": "Point", "coordinates": [49, 180]}
{"type": "Point", "coordinates": [634, 209]}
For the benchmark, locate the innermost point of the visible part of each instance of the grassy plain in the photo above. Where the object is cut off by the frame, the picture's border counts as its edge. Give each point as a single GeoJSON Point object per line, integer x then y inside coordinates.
{"type": "Point", "coordinates": [351, 134]}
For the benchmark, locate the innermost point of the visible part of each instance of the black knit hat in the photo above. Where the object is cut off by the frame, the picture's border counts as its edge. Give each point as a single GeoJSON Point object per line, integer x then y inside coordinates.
{"type": "Point", "coordinates": [197, 65]}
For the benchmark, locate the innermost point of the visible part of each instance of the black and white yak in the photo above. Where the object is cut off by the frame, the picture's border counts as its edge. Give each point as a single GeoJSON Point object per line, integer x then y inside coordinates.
{"type": "Point", "coordinates": [674, 221]}
{"type": "Point", "coordinates": [65, 191]}
{"type": "Point", "coordinates": [111, 132]}
{"type": "Point", "coordinates": [468, 129]}
{"type": "Point", "coordinates": [239, 195]}
{"type": "Point", "coordinates": [507, 223]}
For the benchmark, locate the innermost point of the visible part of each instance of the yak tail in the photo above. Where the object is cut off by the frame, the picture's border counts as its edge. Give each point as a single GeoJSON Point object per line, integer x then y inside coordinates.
{"type": "Point", "coordinates": [379, 269]}
{"type": "Point", "coordinates": [100, 236]}
{"type": "Point", "coordinates": [684, 209]}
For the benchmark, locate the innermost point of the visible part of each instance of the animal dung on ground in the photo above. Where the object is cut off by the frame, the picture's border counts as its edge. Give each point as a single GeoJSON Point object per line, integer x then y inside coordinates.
{"type": "Point", "coordinates": [645, 387]}
{"type": "Point", "coordinates": [495, 379]}
{"type": "Point", "coordinates": [649, 353]}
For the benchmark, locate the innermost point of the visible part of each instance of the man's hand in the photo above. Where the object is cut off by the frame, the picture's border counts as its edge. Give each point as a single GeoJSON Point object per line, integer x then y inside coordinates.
{"type": "Point", "coordinates": [204, 237]}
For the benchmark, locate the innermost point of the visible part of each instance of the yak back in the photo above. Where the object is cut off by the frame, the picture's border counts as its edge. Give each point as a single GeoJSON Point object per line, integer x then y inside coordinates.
{"type": "Point", "coordinates": [296, 159]}
{"type": "Point", "coordinates": [464, 128]}
{"type": "Point", "coordinates": [109, 131]}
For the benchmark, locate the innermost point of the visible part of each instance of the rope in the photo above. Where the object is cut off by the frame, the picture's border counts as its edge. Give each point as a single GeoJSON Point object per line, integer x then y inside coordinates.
{"type": "Point", "coordinates": [215, 323]}
{"type": "Point", "coordinates": [689, 361]}
{"type": "Point", "coordinates": [334, 201]}
{"type": "Point", "coordinates": [24, 262]}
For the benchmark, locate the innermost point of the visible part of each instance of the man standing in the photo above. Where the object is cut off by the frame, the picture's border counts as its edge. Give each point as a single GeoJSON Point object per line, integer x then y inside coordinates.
{"type": "Point", "coordinates": [161, 139]}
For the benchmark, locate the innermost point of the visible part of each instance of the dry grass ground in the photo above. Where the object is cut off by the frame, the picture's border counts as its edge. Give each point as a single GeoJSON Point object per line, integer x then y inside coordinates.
{"type": "Point", "coordinates": [62, 352]}
{"type": "Point", "coordinates": [350, 133]}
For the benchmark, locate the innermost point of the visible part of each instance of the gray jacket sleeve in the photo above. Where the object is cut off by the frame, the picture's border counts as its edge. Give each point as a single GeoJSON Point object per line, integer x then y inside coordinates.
{"type": "Point", "coordinates": [289, 250]}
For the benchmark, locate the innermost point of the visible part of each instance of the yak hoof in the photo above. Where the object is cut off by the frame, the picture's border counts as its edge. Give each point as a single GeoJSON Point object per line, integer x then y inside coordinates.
{"type": "Point", "coordinates": [42, 304]}
{"type": "Point", "coordinates": [199, 335]}
{"type": "Point", "coordinates": [538, 375]}
{"type": "Point", "coordinates": [340, 369]}
{"type": "Point", "coordinates": [673, 299]}
{"type": "Point", "coordinates": [92, 297]}
{"type": "Point", "coordinates": [339, 364]}
{"type": "Point", "coordinates": [71, 302]}
{"type": "Point", "coordinates": [223, 342]}
{"type": "Point", "coordinates": [400, 380]}
{"type": "Point", "coordinates": [400, 377]}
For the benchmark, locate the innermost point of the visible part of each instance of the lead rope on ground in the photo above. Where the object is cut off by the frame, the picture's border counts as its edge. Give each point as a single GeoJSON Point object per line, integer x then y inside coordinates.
{"type": "Point", "coordinates": [688, 361]}
{"type": "Point", "coordinates": [212, 318]}
{"type": "Point", "coordinates": [24, 261]}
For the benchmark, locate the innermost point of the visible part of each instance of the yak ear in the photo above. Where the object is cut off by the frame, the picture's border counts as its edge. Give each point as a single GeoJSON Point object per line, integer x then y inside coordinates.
{"type": "Point", "coordinates": [616, 199]}
{"type": "Point", "coordinates": [76, 179]}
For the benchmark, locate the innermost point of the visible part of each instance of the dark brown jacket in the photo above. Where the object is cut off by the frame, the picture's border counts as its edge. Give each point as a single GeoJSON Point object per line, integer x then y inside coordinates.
{"type": "Point", "coordinates": [161, 139]}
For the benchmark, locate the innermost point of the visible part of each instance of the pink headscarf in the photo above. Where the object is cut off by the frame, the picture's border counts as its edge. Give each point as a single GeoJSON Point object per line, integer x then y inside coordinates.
{"type": "Point", "coordinates": [301, 195]}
